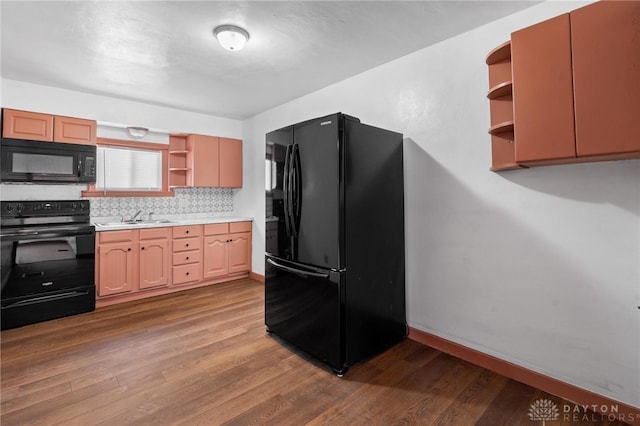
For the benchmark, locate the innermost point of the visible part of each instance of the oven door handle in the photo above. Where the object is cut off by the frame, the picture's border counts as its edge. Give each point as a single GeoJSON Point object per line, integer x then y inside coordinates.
{"type": "Point", "coordinates": [40, 299]}
{"type": "Point", "coordinates": [47, 233]}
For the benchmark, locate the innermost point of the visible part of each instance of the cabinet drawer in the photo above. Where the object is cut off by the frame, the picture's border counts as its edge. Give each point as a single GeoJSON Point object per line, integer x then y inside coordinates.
{"type": "Point", "coordinates": [216, 228]}
{"type": "Point", "coordinates": [182, 244]}
{"type": "Point", "coordinates": [239, 227]}
{"type": "Point", "coordinates": [187, 273]}
{"type": "Point", "coordinates": [154, 233]}
{"type": "Point", "coordinates": [187, 231]}
{"type": "Point", "coordinates": [116, 236]}
{"type": "Point", "coordinates": [184, 257]}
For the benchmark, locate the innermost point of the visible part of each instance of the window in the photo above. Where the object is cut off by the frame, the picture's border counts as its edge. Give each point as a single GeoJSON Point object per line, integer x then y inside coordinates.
{"type": "Point", "coordinates": [126, 168]}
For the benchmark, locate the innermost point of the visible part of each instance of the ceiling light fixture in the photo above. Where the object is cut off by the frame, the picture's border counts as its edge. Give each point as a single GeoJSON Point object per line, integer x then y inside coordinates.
{"type": "Point", "coordinates": [231, 37]}
{"type": "Point", "coordinates": [137, 132]}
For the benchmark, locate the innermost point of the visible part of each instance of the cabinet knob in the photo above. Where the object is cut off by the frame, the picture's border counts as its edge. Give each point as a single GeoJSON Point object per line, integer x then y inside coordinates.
{"type": "Point", "coordinates": [142, 248]}
{"type": "Point", "coordinates": [187, 258]}
{"type": "Point", "coordinates": [186, 232]}
{"type": "Point", "coordinates": [129, 249]}
{"type": "Point", "coordinates": [187, 273]}
{"type": "Point", "coordinates": [187, 245]}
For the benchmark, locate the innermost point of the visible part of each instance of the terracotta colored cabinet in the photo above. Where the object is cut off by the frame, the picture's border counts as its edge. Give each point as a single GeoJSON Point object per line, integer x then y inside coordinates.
{"type": "Point", "coordinates": [49, 128]}
{"type": "Point", "coordinates": [215, 256]}
{"type": "Point", "coordinates": [115, 262]}
{"type": "Point", "coordinates": [227, 249]}
{"type": "Point", "coordinates": [154, 258]}
{"type": "Point", "coordinates": [187, 254]}
{"type": "Point", "coordinates": [239, 248]}
{"type": "Point", "coordinates": [204, 161]}
{"type": "Point", "coordinates": [543, 92]}
{"type": "Point", "coordinates": [575, 89]}
{"type": "Point", "coordinates": [605, 42]}
{"type": "Point", "coordinates": [27, 125]}
{"type": "Point", "coordinates": [74, 130]}
{"type": "Point", "coordinates": [230, 160]}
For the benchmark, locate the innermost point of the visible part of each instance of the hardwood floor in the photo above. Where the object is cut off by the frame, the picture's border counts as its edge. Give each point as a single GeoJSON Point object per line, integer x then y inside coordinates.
{"type": "Point", "coordinates": [202, 357]}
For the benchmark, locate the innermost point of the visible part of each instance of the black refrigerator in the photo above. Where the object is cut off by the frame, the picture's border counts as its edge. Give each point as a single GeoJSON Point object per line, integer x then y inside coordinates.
{"type": "Point", "coordinates": [334, 262]}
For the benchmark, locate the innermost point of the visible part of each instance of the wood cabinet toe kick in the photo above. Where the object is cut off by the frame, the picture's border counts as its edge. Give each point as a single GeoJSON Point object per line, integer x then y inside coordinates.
{"type": "Point", "coordinates": [138, 263]}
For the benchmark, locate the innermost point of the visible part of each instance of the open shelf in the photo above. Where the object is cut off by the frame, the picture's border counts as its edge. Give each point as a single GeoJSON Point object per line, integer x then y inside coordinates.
{"type": "Point", "coordinates": [502, 129]}
{"type": "Point", "coordinates": [500, 53]}
{"type": "Point", "coordinates": [500, 90]}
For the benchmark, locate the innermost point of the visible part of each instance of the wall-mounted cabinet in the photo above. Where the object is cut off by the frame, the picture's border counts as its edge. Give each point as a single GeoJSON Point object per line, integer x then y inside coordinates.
{"type": "Point", "coordinates": [18, 124]}
{"type": "Point", "coordinates": [205, 161]}
{"type": "Point", "coordinates": [573, 85]}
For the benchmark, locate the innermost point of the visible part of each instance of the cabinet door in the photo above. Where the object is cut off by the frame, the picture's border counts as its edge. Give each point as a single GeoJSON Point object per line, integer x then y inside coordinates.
{"type": "Point", "coordinates": [74, 130]}
{"type": "Point", "coordinates": [203, 159]}
{"type": "Point", "coordinates": [542, 91]}
{"type": "Point", "coordinates": [27, 125]}
{"type": "Point", "coordinates": [605, 38]}
{"type": "Point", "coordinates": [116, 272]}
{"type": "Point", "coordinates": [155, 263]}
{"type": "Point", "coordinates": [239, 252]}
{"type": "Point", "coordinates": [215, 256]}
{"type": "Point", "coordinates": [230, 163]}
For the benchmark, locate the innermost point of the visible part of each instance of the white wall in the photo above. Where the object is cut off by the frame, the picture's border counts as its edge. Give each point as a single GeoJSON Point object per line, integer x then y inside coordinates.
{"type": "Point", "coordinates": [539, 267]}
{"type": "Point", "coordinates": [52, 100]}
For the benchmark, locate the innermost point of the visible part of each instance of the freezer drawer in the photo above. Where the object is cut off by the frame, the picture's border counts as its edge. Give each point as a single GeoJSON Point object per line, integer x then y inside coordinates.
{"type": "Point", "coordinates": [303, 306]}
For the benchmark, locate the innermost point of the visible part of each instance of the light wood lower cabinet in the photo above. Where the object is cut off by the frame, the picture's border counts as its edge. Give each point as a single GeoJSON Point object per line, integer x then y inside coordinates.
{"type": "Point", "coordinates": [138, 263]}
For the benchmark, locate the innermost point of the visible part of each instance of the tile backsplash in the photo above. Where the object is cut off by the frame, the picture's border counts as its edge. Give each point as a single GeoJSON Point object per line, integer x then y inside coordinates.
{"type": "Point", "coordinates": [186, 201]}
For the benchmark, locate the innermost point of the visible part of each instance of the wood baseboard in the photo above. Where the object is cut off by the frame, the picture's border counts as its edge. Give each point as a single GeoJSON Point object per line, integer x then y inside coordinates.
{"type": "Point", "coordinates": [256, 276]}
{"type": "Point", "coordinates": [582, 397]}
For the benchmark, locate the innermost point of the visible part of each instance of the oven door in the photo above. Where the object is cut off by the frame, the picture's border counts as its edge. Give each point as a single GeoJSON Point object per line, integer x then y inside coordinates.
{"type": "Point", "coordinates": [46, 273]}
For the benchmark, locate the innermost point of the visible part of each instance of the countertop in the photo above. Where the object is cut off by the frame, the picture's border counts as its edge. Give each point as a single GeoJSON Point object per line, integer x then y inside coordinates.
{"type": "Point", "coordinates": [162, 222]}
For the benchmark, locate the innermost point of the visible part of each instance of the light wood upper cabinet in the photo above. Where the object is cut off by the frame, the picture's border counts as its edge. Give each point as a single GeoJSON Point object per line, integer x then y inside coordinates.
{"type": "Point", "coordinates": [27, 125]}
{"type": "Point", "coordinates": [605, 41]}
{"type": "Point", "coordinates": [74, 130]}
{"type": "Point", "coordinates": [543, 91]}
{"type": "Point", "coordinates": [230, 163]}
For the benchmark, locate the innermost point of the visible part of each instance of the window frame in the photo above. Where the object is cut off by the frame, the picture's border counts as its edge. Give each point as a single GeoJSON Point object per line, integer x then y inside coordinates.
{"type": "Point", "coordinates": [165, 191]}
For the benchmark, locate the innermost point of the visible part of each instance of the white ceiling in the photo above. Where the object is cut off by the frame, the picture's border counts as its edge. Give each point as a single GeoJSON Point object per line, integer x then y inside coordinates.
{"type": "Point", "coordinates": [164, 52]}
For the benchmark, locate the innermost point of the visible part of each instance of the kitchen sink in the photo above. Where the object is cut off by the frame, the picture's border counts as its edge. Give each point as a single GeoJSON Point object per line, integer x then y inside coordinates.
{"type": "Point", "coordinates": [133, 222]}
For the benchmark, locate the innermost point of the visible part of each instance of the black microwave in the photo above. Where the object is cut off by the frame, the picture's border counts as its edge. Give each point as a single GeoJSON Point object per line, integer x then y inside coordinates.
{"type": "Point", "coordinates": [46, 162]}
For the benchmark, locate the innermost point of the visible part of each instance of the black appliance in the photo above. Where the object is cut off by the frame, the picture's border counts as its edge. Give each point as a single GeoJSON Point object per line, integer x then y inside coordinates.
{"type": "Point", "coordinates": [334, 272]}
{"type": "Point", "coordinates": [47, 162]}
{"type": "Point", "coordinates": [48, 258]}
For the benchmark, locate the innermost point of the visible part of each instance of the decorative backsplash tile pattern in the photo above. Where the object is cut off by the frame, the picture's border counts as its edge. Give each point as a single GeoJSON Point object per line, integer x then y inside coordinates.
{"type": "Point", "coordinates": [186, 201]}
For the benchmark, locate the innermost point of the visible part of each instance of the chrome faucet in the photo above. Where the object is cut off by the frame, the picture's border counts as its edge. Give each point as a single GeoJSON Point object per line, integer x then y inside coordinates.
{"type": "Point", "coordinates": [133, 218]}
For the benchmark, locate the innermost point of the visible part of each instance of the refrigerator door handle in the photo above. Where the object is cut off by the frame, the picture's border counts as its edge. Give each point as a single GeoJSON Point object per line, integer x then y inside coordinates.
{"type": "Point", "coordinates": [296, 190]}
{"type": "Point", "coordinates": [297, 271]}
{"type": "Point", "coordinates": [286, 188]}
